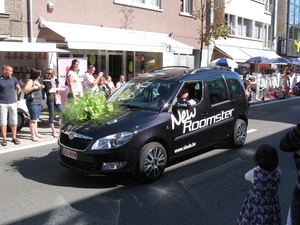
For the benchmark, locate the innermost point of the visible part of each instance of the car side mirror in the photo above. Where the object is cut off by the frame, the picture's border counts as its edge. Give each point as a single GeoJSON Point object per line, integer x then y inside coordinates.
{"type": "Point", "coordinates": [182, 105]}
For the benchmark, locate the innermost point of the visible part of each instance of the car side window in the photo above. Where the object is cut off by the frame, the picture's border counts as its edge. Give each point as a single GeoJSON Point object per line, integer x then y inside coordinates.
{"type": "Point", "coordinates": [217, 89]}
{"type": "Point", "coordinates": [234, 86]}
{"type": "Point", "coordinates": [195, 91]}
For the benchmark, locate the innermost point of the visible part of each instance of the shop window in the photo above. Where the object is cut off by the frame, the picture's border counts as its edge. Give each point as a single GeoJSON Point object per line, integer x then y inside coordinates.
{"type": "Point", "coordinates": [145, 61]}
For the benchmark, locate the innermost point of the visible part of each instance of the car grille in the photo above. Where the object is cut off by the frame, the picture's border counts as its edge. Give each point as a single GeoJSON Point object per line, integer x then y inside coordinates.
{"type": "Point", "coordinates": [84, 166]}
{"type": "Point", "coordinates": [76, 143]}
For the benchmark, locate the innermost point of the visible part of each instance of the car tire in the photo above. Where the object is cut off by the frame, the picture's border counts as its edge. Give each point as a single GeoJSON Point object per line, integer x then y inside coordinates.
{"type": "Point", "coordinates": [239, 134]}
{"type": "Point", "coordinates": [21, 121]}
{"type": "Point", "coordinates": [152, 162]}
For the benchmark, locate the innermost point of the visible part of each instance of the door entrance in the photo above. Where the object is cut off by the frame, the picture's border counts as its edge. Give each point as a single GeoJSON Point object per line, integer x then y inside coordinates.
{"type": "Point", "coordinates": [115, 67]}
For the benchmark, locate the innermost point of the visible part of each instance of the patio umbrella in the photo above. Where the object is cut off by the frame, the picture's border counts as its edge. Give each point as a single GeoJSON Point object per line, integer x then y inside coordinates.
{"type": "Point", "coordinates": [224, 62]}
{"type": "Point", "coordinates": [280, 60]}
{"type": "Point", "coordinates": [295, 61]}
{"type": "Point", "coordinates": [258, 59]}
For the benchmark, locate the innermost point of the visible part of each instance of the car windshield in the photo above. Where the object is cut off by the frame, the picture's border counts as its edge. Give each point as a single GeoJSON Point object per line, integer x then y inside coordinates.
{"type": "Point", "coordinates": [149, 95]}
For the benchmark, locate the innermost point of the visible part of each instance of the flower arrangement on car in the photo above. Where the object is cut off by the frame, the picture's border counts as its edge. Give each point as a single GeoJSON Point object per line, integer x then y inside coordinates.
{"type": "Point", "coordinates": [89, 108]}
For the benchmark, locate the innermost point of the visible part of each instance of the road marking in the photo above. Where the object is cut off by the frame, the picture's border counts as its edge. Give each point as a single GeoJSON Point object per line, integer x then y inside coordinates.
{"type": "Point", "coordinates": [27, 146]}
{"type": "Point", "coordinates": [251, 131]}
{"type": "Point", "coordinates": [268, 102]}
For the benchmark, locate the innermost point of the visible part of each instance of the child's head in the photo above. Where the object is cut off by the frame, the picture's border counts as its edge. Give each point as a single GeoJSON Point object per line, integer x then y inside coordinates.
{"type": "Point", "coordinates": [266, 157]}
{"type": "Point", "coordinates": [281, 87]}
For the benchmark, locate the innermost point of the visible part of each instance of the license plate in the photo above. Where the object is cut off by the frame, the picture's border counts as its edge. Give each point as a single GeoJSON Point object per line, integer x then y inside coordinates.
{"type": "Point", "coordinates": [69, 153]}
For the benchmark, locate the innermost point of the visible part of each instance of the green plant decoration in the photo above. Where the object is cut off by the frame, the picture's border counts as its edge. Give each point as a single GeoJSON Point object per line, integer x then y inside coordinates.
{"type": "Point", "coordinates": [89, 108]}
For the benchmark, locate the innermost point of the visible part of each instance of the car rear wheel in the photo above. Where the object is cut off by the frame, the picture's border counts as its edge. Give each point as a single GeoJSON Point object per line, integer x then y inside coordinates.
{"type": "Point", "coordinates": [21, 121]}
{"type": "Point", "coordinates": [152, 162]}
{"type": "Point", "coordinates": [239, 135]}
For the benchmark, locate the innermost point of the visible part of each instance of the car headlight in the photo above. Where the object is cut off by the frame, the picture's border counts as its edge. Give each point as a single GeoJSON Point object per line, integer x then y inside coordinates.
{"type": "Point", "coordinates": [112, 141]}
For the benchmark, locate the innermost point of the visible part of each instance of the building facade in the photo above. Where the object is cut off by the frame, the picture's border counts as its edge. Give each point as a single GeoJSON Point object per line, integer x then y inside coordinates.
{"type": "Point", "coordinates": [252, 30]}
{"type": "Point", "coordinates": [288, 28]}
{"type": "Point", "coordinates": [125, 37]}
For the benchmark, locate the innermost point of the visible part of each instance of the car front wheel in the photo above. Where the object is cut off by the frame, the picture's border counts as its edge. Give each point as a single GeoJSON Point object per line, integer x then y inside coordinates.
{"type": "Point", "coordinates": [239, 135]}
{"type": "Point", "coordinates": [152, 162]}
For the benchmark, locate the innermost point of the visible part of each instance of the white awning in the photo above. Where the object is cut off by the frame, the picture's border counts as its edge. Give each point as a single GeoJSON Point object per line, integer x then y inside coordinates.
{"type": "Point", "coordinates": [234, 52]}
{"type": "Point", "coordinates": [260, 52]}
{"type": "Point", "coordinates": [270, 54]}
{"type": "Point", "coordinates": [92, 37]}
{"type": "Point", "coordinates": [239, 54]}
{"type": "Point", "coordinates": [6, 46]}
{"type": "Point", "coordinates": [252, 52]}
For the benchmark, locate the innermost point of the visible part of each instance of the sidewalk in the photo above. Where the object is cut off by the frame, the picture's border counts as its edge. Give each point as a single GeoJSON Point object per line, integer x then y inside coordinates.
{"type": "Point", "coordinates": [24, 134]}
{"type": "Point", "coordinates": [270, 98]}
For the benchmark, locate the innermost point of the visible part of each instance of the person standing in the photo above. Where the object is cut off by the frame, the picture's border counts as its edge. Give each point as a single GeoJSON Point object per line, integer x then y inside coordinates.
{"type": "Point", "coordinates": [110, 84]}
{"type": "Point", "coordinates": [261, 205]}
{"type": "Point", "coordinates": [121, 82]}
{"type": "Point", "coordinates": [35, 105]}
{"type": "Point", "coordinates": [75, 88]}
{"type": "Point", "coordinates": [51, 87]}
{"type": "Point", "coordinates": [287, 83]}
{"type": "Point", "coordinates": [290, 142]}
{"type": "Point", "coordinates": [103, 86]}
{"type": "Point", "coordinates": [9, 104]}
{"type": "Point", "coordinates": [248, 91]}
{"type": "Point", "coordinates": [90, 82]}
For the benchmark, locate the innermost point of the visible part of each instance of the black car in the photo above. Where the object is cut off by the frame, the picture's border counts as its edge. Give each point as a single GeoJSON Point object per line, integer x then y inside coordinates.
{"type": "Point", "coordinates": [157, 126]}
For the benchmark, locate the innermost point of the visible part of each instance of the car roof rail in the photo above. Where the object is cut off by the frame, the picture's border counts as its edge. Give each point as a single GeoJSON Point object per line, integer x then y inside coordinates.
{"type": "Point", "coordinates": [210, 68]}
{"type": "Point", "coordinates": [168, 67]}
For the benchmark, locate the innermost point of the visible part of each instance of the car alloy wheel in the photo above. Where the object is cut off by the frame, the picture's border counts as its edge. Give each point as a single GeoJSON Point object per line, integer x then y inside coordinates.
{"type": "Point", "coordinates": [239, 135]}
{"type": "Point", "coordinates": [152, 162]}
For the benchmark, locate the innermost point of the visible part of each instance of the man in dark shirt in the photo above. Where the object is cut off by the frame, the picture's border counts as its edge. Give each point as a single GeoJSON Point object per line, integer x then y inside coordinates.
{"type": "Point", "coordinates": [9, 103]}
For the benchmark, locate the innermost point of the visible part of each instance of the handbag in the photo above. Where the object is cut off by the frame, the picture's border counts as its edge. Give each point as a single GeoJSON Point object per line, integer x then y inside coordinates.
{"type": "Point", "coordinates": [57, 99]}
{"type": "Point", "coordinates": [29, 96]}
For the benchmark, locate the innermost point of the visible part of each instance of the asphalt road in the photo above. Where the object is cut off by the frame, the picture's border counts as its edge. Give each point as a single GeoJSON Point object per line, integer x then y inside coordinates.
{"type": "Point", "coordinates": [206, 189]}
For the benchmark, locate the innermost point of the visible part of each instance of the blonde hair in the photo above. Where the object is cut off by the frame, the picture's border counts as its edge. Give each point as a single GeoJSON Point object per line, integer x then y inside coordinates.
{"type": "Point", "coordinates": [281, 87]}
{"type": "Point", "coordinates": [51, 71]}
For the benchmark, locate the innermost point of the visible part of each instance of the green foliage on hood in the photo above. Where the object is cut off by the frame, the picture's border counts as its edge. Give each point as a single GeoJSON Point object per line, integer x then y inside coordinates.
{"type": "Point", "coordinates": [89, 108]}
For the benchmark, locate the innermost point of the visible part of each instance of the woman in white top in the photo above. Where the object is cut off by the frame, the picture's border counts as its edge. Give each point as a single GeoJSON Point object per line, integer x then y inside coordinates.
{"type": "Point", "coordinates": [75, 89]}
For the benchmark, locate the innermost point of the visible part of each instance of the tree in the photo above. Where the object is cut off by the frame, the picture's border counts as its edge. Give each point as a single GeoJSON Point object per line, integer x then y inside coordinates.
{"type": "Point", "coordinates": [207, 30]}
{"type": "Point", "coordinates": [126, 21]}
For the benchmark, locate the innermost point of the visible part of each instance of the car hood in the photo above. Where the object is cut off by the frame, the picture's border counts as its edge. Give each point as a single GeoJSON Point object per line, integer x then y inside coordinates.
{"type": "Point", "coordinates": [130, 121]}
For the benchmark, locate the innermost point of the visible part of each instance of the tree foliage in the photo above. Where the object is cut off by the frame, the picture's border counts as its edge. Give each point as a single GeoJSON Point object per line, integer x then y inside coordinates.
{"type": "Point", "coordinates": [207, 30]}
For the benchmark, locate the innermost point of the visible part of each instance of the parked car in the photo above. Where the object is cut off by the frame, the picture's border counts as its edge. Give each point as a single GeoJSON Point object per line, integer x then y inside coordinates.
{"type": "Point", "coordinates": [23, 115]}
{"type": "Point", "coordinates": [156, 126]}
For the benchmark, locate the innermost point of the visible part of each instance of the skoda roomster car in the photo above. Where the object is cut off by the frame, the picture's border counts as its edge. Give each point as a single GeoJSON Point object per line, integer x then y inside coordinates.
{"type": "Point", "coordinates": [157, 126]}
